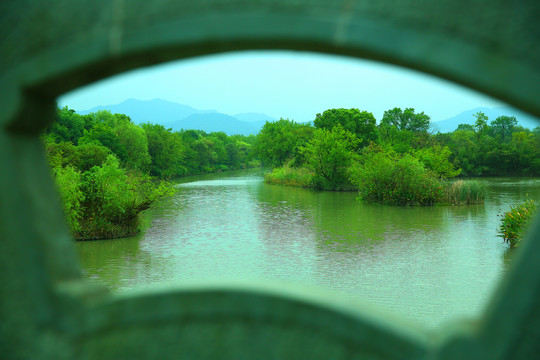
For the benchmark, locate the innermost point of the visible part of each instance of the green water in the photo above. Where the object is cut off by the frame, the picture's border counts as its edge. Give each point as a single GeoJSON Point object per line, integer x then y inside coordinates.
{"type": "Point", "coordinates": [431, 264]}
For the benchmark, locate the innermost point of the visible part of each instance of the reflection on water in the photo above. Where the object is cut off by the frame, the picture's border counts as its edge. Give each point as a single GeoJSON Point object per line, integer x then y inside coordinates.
{"type": "Point", "coordinates": [429, 263]}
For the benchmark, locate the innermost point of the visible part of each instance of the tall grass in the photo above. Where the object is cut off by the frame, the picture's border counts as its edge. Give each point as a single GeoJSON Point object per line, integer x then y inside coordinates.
{"type": "Point", "coordinates": [465, 192]}
{"type": "Point", "coordinates": [291, 176]}
{"type": "Point", "coordinates": [514, 222]}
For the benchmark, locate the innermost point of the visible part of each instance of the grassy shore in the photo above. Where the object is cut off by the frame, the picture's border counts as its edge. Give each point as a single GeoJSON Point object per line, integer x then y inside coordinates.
{"type": "Point", "coordinates": [290, 176]}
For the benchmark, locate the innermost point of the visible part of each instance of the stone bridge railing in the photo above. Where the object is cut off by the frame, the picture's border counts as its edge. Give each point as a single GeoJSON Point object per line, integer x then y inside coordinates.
{"type": "Point", "coordinates": [50, 47]}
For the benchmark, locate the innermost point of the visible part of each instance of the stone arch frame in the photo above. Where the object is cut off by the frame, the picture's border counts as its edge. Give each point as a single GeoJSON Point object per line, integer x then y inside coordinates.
{"type": "Point", "coordinates": [48, 48]}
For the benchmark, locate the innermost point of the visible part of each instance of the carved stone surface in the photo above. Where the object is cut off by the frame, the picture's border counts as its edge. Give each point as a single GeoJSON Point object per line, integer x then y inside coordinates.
{"type": "Point", "coordinates": [50, 47]}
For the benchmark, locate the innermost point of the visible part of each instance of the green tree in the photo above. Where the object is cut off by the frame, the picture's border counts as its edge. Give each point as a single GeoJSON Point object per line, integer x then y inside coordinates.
{"type": "Point", "coordinates": [68, 182]}
{"type": "Point", "coordinates": [398, 140]}
{"type": "Point", "coordinates": [82, 157]}
{"type": "Point", "coordinates": [106, 117]}
{"type": "Point", "coordinates": [234, 157]}
{"type": "Point", "coordinates": [406, 120]}
{"type": "Point", "coordinates": [59, 154]}
{"type": "Point", "coordinates": [88, 155]}
{"type": "Point", "coordinates": [220, 141]}
{"type": "Point", "coordinates": [437, 159]}
{"type": "Point", "coordinates": [503, 126]}
{"type": "Point", "coordinates": [277, 141]}
{"type": "Point", "coordinates": [204, 154]}
{"type": "Point", "coordinates": [481, 124]}
{"type": "Point", "coordinates": [464, 147]}
{"type": "Point", "coordinates": [329, 155]}
{"type": "Point", "coordinates": [106, 136]}
{"type": "Point", "coordinates": [166, 151]}
{"type": "Point", "coordinates": [526, 147]}
{"type": "Point", "coordinates": [360, 123]}
{"type": "Point", "coordinates": [242, 153]}
{"type": "Point", "coordinates": [69, 126]}
{"type": "Point", "coordinates": [133, 138]}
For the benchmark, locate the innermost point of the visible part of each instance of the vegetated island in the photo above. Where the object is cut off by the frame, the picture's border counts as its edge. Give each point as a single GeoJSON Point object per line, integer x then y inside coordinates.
{"type": "Point", "coordinates": [108, 170]}
{"type": "Point", "coordinates": [398, 161]}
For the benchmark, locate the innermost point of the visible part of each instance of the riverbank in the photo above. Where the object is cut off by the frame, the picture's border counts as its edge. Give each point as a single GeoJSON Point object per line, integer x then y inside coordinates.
{"type": "Point", "coordinates": [108, 169]}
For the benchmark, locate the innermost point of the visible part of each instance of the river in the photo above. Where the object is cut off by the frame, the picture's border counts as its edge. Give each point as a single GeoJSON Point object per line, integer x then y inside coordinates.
{"type": "Point", "coordinates": [432, 264]}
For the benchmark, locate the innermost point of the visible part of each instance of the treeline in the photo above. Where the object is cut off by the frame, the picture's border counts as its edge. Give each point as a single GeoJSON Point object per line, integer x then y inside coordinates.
{"type": "Point", "coordinates": [494, 148]}
{"type": "Point", "coordinates": [152, 148]}
{"type": "Point", "coordinates": [109, 169]}
{"type": "Point", "coordinates": [397, 161]}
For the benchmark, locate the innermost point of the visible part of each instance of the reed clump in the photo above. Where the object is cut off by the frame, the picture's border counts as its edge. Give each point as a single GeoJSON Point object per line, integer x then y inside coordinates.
{"type": "Point", "coordinates": [465, 192]}
{"type": "Point", "coordinates": [290, 176]}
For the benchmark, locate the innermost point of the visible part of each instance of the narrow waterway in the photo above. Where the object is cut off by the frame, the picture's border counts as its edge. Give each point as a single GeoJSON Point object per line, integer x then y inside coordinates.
{"type": "Point", "coordinates": [430, 263]}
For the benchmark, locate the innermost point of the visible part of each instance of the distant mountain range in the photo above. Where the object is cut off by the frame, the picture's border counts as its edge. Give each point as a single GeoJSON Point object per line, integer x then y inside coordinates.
{"type": "Point", "coordinates": [178, 116]}
{"type": "Point", "coordinates": [467, 117]}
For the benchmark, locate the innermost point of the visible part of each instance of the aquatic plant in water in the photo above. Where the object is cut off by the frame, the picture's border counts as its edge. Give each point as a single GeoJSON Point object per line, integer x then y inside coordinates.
{"type": "Point", "coordinates": [515, 221]}
{"type": "Point", "coordinates": [465, 192]}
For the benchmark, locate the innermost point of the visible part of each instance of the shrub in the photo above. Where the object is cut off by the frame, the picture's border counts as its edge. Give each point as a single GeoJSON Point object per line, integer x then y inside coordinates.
{"type": "Point", "coordinates": [68, 182]}
{"type": "Point", "coordinates": [514, 222]}
{"type": "Point", "coordinates": [465, 192]}
{"type": "Point", "coordinates": [394, 179]}
{"type": "Point", "coordinates": [113, 200]}
{"type": "Point", "coordinates": [221, 168]}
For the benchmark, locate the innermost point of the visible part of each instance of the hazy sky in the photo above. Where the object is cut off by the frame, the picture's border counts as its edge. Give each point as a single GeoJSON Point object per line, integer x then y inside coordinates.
{"type": "Point", "coordinates": [293, 85]}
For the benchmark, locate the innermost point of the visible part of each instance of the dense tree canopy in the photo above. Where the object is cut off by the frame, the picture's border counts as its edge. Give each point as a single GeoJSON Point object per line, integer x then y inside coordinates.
{"type": "Point", "coordinates": [483, 149]}
{"type": "Point", "coordinates": [329, 155]}
{"type": "Point", "coordinates": [499, 149]}
{"type": "Point", "coordinates": [107, 168]}
{"type": "Point", "coordinates": [277, 141]}
{"type": "Point", "coordinates": [134, 140]}
{"type": "Point", "coordinates": [165, 150]}
{"type": "Point", "coordinates": [69, 126]}
{"type": "Point", "coordinates": [406, 120]}
{"type": "Point", "coordinates": [503, 126]}
{"type": "Point", "coordinates": [360, 123]}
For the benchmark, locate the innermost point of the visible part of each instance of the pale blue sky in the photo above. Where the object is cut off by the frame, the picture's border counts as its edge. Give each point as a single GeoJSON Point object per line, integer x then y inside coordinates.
{"type": "Point", "coordinates": [294, 85]}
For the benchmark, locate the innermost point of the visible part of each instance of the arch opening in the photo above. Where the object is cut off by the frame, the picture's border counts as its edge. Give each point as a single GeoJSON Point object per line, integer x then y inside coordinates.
{"type": "Point", "coordinates": [357, 103]}
{"type": "Point", "coordinates": [42, 60]}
